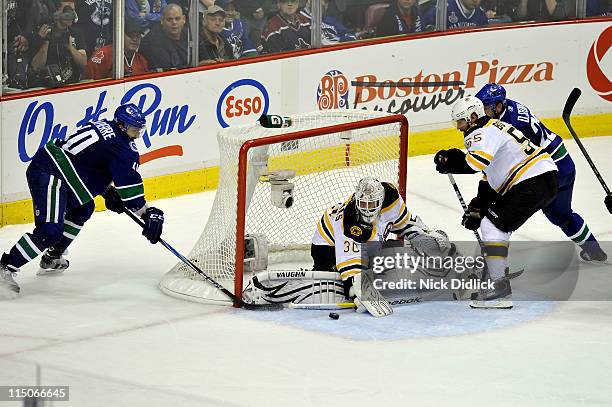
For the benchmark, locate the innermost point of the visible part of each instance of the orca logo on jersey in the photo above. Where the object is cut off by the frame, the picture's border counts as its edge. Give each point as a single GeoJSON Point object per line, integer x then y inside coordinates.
{"type": "Point", "coordinates": [333, 91]}
{"type": "Point", "coordinates": [242, 99]}
{"type": "Point", "coordinates": [598, 79]}
{"type": "Point", "coordinates": [133, 146]}
{"type": "Point", "coordinates": [356, 231]}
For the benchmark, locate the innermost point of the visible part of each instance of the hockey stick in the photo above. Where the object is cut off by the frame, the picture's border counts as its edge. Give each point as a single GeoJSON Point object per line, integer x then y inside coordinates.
{"type": "Point", "coordinates": [237, 300]}
{"type": "Point", "coordinates": [509, 275]}
{"type": "Point", "coordinates": [465, 209]}
{"type": "Point", "coordinates": [567, 111]}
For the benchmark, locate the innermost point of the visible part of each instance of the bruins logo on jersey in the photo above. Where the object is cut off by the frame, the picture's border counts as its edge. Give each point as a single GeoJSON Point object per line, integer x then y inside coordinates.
{"type": "Point", "coordinates": [356, 231]}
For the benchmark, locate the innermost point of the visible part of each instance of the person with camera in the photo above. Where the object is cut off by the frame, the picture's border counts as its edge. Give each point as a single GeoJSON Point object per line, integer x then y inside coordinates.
{"type": "Point", "coordinates": [61, 57]}
{"type": "Point", "coordinates": [19, 25]}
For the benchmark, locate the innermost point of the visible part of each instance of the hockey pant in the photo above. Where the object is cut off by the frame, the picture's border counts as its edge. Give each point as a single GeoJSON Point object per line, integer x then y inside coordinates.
{"type": "Point", "coordinates": [509, 213]}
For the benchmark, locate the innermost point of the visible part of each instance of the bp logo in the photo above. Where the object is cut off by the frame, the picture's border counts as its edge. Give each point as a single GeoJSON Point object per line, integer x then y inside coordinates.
{"type": "Point", "coordinates": [333, 91]}
{"type": "Point", "coordinates": [242, 100]}
{"type": "Point", "coordinates": [598, 60]}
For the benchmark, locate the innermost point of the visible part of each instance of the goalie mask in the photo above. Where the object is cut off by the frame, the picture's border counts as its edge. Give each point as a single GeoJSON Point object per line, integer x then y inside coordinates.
{"type": "Point", "coordinates": [369, 198]}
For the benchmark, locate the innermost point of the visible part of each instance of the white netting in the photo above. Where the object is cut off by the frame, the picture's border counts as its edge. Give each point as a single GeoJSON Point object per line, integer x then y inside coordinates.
{"type": "Point", "coordinates": [328, 168]}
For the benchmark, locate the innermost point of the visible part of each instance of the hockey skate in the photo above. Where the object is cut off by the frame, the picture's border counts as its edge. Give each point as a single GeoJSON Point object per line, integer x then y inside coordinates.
{"type": "Point", "coordinates": [592, 253]}
{"type": "Point", "coordinates": [52, 262]}
{"type": "Point", "coordinates": [500, 297]}
{"type": "Point", "coordinates": [8, 287]}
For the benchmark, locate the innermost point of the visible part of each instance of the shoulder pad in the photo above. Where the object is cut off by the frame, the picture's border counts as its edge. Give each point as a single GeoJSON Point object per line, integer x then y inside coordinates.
{"type": "Point", "coordinates": [391, 194]}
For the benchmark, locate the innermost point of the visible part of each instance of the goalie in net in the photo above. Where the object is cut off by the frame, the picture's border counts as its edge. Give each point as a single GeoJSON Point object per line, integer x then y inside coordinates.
{"type": "Point", "coordinates": [375, 212]}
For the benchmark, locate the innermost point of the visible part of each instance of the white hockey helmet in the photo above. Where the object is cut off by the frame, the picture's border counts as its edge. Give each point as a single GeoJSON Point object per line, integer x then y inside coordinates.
{"type": "Point", "coordinates": [464, 108]}
{"type": "Point", "coordinates": [369, 197]}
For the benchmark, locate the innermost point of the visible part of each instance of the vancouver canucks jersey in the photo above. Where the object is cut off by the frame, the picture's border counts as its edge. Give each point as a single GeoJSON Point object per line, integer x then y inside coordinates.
{"type": "Point", "coordinates": [90, 159]}
{"type": "Point", "coordinates": [522, 119]}
{"type": "Point", "coordinates": [235, 34]}
{"type": "Point", "coordinates": [505, 155]}
{"type": "Point", "coordinates": [339, 227]}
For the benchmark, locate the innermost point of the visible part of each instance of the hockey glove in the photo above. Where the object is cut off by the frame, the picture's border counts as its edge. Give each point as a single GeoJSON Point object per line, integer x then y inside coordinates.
{"type": "Point", "coordinates": [154, 221]}
{"type": "Point", "coordinates": [452, 161]}
{"type": "Point", "coordinates": [608, 202]}
{"type": "Point", "coordinates": [440, 159]}
{"type": "Point", "coordinates": [112, 200]}
{"type": "Point", "coordinates": [471, 219]}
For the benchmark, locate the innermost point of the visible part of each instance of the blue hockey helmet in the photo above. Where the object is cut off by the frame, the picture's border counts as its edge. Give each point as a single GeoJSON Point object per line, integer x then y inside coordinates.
{"type": "Point", "coordinates": [490, 94]}
{"type": "Point", "coordinates": [130, 115]}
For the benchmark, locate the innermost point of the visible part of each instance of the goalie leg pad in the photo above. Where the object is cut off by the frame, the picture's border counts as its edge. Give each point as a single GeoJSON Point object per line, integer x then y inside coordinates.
{"type": "Point", "coordinates": [297, 287]}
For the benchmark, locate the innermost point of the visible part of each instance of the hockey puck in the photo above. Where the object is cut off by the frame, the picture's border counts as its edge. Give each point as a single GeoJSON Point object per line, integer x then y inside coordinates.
{"type": "Point", "coordinates": [333, 315]}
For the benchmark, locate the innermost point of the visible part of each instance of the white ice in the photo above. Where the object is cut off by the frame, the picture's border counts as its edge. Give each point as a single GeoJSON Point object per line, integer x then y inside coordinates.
{"type": "Point", "coordinates": [105, 329]}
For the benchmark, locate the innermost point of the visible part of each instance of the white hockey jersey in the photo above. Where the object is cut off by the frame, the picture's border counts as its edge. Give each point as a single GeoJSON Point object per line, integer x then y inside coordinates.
{"type": "Point", "coordinates": [339, 228]}
{"type": "Point", "coordinates": [505, 155]}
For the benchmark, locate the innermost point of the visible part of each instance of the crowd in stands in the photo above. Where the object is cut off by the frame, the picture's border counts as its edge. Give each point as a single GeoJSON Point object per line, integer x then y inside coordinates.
{"type": "Point", "coordinates": [52, 43]}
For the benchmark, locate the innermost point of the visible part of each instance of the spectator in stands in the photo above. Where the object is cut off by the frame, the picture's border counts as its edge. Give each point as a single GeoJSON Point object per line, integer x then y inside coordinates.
{"type": "Point", "coordinates": [61, 57]}
{"type": "Point", "coordinates": [19, 29]}
{"type": "Point", "coordinates": [498, 12]}
{"type": "Point", "coordinates": [95, 23]}
{"type": "Point", "coordinates": [287, 30]}
{"type": "Point", "coordinates": [100, 65]}
{"type": "Point", "coordinates": [213, 46]}
{"type": "Point", "coordinates": [332, 30]}
{"type": "Point", "coordinates": [402, 17]}
{"type": "Point", "coordinates": [598, 8]}
{"type": "Point", "coordinates": [461, 14]}
{"type": "Point", "coordinates": [253, 14]}
{"type": "Point", "coordinates": [235, 31]}
{"type": "Point", "coordinates": [166, 46]}
{"type": "Point", "coordinates": [146, 12]}
{"type": "Point", "coordinates": [528, 10]}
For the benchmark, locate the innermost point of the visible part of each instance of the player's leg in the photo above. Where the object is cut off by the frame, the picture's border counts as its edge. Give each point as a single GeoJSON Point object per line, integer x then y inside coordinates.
{"type": "Point", "coordinates": [53, 261]}
{"type": "Point", "coordinates": [560, 213]}
{"type": "Point", "coordinates": [503, 217]}
{"type": "Point", "coordinates": [49, 200]}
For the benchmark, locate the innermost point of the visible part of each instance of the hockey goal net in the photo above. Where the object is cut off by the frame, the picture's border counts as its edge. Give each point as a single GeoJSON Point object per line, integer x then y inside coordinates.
{"type": "Point", "coordinates": [327, 151]}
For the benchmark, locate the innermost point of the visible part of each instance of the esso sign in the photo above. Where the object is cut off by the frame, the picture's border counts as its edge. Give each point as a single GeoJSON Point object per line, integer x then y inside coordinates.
{"type": "Point", "coordinates": [241, 102]}
{"type": "Point", "coordinates": [238, 107]}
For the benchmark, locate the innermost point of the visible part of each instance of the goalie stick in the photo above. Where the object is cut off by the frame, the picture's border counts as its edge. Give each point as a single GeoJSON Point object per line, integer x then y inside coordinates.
{"type": "Point", "coordinates": [567, 111]}
{"type": "Point", "coordinates": [237, 300]}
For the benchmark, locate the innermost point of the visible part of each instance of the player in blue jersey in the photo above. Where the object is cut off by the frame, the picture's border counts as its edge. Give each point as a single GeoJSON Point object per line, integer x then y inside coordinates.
{"type": "Point", "coordinates": [64, 177]}
{"type": "Point", "coordinates": [559, 211]}
{"type": "Point", "coordinates": [460, 14]}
